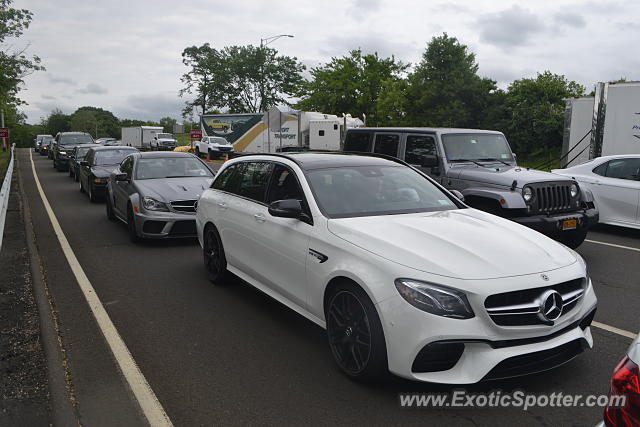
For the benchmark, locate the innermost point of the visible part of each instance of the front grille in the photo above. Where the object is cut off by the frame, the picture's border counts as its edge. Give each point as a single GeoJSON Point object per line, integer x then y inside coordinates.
{"type": "Point", "coordinates": [552, 197]}
{"type": "Point", "coordinates": [538, 361]}
{"type": "Point", "coordinates": [184, 205]}
{"type": "Point", "coordinates": [183, 228]}
{"type": "Point", "coordinates": [521, 308]}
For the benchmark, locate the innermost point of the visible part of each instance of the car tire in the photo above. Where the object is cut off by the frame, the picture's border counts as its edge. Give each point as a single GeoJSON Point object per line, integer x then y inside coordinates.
{"type": "Point", "coordinates": [574, 238]}
{"type": "Point", "coordinates": [70, 172]}
{"type": "Point", "coordinates": [93, 197]}
{"type": "Point", "coordinates": [198, 152]}
{"type": "Point", "coordinates": [81, 187]}
{"type": "Point", "coordinates": [213, 256]}
{"type": "Point", "coordinates": [131, 226]}
{"type": "Point", "coordinates": [110, 214]}
{"type": "Point", "coordinates": [75, 177]}
{"type": "Point", "coordinates": [54, 163]}
{"type": "Point", "coordinates": [355, 333]}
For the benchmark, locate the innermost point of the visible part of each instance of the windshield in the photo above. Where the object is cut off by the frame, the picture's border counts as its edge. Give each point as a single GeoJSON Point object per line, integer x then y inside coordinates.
{"type": "Point", "coordinates": [171, 167]}
{"type": "Point", "coordinates": [375, 190]}
{"type": "Point", "coordinates": [481, 146]}
{"type": "Point", "coordinates": [81, 152]}
{"type": "Point", "coordinates": [75, 139]}
{"type": "Point", "coordinates": [46, 141]}
{"type": "Point", "coordinates": [217, 140]}
{"type": "Point", "coordinates": [165, 136]}
{"type": "Point", "coordinates": [111, 157]}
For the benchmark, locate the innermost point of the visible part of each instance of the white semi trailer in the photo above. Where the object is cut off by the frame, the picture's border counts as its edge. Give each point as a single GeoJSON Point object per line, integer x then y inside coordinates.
{"type": "Point", "coordinates": [140, 136]}
{"type": "Point", "coordinates": [606, 124]}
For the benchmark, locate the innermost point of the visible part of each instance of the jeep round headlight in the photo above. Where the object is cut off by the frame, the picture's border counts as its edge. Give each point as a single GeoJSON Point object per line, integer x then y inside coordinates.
{"type": "Point", "coordinates": [435, 299]}
{"type": "Point", "coordinates": [574, 190]}
{"type": "Point", "coordinates": [527, 194]}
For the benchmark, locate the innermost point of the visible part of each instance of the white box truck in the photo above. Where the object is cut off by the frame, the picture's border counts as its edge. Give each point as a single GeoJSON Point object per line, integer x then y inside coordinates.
{"type": "Point", "coordinates": [140, 136]}
{"type": "Point", "coordinates": [607, 124]}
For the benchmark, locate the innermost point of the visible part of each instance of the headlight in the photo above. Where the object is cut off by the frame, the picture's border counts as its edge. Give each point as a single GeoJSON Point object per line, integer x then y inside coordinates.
{"type": "Point", "coordinates": [62, 153]}
{"type": "Point", "coordinates": [527, 194]}
{"type": "Point", "coordinates": [574, 190]}
{"type": "Point", "coordinates": [435, 299]}
{"type": "Point", "coordinates": [153, 205]}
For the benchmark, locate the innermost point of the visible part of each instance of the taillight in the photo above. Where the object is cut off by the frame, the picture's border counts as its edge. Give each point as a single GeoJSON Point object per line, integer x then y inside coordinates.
{"type": "Point", "coordinates": [625, 382]}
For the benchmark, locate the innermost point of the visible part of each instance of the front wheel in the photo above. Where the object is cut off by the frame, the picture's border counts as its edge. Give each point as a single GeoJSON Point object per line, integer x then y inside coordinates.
{"type": "Point", "coordinates": [573, 238]}
{"type": "Point", "coordinates": [355, 333]}
{"type": "Point", "coordinates": [110, 215]}
{"type": "Point", "coordinates": [131, 226]}
{"type": "Point", "coordinates": [93, 197]}
{"type": "Point", "coordinates": [213, 253]}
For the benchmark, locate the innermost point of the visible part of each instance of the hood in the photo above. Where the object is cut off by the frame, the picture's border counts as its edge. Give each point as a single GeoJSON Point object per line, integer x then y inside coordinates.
{"type": "Point", "coordinates": [103, 171]}
{"type": "Point", "coordinates": [503, 175]}
{"type": "Point", "coordinates": [170, 189]}
{"type": "Point", "coordinates": [463, 243]}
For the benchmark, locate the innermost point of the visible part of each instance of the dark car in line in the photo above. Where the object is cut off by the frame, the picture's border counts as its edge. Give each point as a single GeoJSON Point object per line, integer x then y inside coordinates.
{"type": "Point", "coordinates": [77, 156]}
{"type": "Point", "coordinates": [64, 143]}
{"type": "Point", "coordinates": [97, 166]}
{"type": "Point", "coordinates": [45, 145]}
{"type": "Point", "coordinates": [155, 194]}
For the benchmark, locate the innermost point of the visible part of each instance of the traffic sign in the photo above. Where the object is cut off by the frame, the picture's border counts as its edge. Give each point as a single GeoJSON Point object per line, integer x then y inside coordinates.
{"type": "Point", "coordinates": [195, 134]}
{"type": "Point", "coordinates": [4, 132]}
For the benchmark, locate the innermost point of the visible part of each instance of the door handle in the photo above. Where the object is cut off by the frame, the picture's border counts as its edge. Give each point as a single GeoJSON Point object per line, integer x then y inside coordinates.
{"type": "Point", "coordinates": [259, 217]}
{"type": "Point", "coordinates": [222, 205]}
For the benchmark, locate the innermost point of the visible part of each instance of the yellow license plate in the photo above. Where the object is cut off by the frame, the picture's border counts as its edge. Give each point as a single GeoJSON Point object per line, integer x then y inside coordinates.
{"type": "Point", "coordinates": [569, 224]}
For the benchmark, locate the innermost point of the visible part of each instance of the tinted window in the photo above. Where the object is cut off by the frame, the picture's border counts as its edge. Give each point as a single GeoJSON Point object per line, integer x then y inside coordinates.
{"type": "Point", "coordinates": [387, 144]}
{"type": "Point", "coordinates": [601, 170]}
{"type": "Point", "coordinates": [358, 141]}
{"type": "Point", "coordinates": [171, 167]}
{"type": "Point", "coordinates": [223, 178]}
{"type": "Point", "coordinates": [623, 169]}
{"type": "Point", "coordinates": [80, 152]}
{"type": "Point", "coordinates": [110, 157]}
{"type": "Point", "coordinates": [284, 185]}
{"type": "Point", "coordinates": [419, 148]}
{"type": "Point", "coordinates": [375, 190]}
{"type": "Point", "coordinates": [127, 165]}
{"type": "Point", "coordinates": [254, 180]}
{"type": "Point", "coordinates": [75, 139]}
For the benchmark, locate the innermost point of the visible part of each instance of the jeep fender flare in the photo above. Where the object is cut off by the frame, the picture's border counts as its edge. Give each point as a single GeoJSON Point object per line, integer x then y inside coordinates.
{"type": "Point", "coordinates": [512, 199]}
{"type": "Point", "coordinates": [586, 195]}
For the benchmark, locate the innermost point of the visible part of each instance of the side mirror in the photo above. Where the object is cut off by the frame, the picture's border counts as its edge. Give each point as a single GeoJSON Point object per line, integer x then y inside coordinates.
{"type": "Point", "coordinates": [84, 163]}
{"type": "Point", "coordinates": [458, 194]}
{"type": "Point", "coordinates": [122, 177]}
{"type": "Point", "coordinates": [289, 208]}
{"type": "Point", "coordinates": [514, 155]}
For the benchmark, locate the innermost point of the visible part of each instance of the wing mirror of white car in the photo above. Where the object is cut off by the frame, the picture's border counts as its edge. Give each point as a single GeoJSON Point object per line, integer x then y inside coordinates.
{"type": "Point", "coordinates": [458, 194]}
{"type": "Point", "coordinates": [289, 208]}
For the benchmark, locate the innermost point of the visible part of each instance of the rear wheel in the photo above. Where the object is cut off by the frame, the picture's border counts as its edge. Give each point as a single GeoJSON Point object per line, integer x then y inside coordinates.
{"type": "Point", "coordinates": [198, 151]}
{"type": "Point", "coordinates": [573, 238]}
{"type": "Point", "coordinates": [355, 333]}
{"type": "Point", "coordinates": [214, 259]}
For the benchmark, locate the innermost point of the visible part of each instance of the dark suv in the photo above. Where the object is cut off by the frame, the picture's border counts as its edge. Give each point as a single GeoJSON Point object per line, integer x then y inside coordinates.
{"type": "Point", "coordinates": [65, 142]}
{"type": "Point", "coordinates": [481, 165]}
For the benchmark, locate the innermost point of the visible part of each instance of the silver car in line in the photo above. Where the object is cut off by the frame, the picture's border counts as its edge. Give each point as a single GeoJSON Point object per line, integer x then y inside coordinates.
{"type": "Point", "coordinates": [155, 194]}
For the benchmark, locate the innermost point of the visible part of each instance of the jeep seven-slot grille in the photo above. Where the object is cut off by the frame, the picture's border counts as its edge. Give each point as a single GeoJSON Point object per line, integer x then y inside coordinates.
{"type": "Point", "coordinates": [184, 205]}
{"type": "Point", "coordinates": [552, 197]}
{"type": "Point", "coordinates": [520, 308]}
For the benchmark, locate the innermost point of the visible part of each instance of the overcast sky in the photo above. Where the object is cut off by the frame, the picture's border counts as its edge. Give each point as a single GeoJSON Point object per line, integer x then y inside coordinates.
{"type": "Point", "coordinates": [125, 56]}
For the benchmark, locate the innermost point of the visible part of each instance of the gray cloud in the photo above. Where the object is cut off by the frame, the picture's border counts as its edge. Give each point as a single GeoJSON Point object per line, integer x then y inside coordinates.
{"type": "Point", "coordinates": [361, 8]}
{"type": "Point", "coordinates": [93, 88]}
{"type": "Point", "coordinates": [510, 27]}
{"type": "Point", "coordinates": [570, 19]}
{"type": "Point", "coordinates": [48, 97]}
{"type": "Point", "coordinates": [150, 107]}
{"type": "Point", "coordinates": [58, 79]}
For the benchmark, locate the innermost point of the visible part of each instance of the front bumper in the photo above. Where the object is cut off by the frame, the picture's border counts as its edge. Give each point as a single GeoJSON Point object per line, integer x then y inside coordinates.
{"type": "Point", "coordinates": [487, 351]}
{"type": "Point", "coordinates": [165, 225]}
{"type": "Point", "coordinates": [551, 225]}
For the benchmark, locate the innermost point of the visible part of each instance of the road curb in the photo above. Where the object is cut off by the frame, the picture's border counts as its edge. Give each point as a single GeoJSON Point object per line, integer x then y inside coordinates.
{"type": "Point", "coordinates": [63, 412]}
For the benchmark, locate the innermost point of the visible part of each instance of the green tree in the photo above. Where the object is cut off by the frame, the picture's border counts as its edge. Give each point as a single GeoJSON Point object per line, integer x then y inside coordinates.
{"type": "Point", "coordinates": [241, 79]}
{"type": "Point", "coordinates": [84, 121]}
{"type": "Point", "coordinates": [100, 120]}
{"type": "Point", "coordinates": [536, 111]}
{"type": "Point", "coordinates": [391, 105]}
{"type": "Point", "coordinates": [167, 124]}
{"type": "Point", "coordinates": [15, 64]}
{"type": "Point", "coordinates": [352, 84]}
{"type": "Point", "coordinates": [57, 122]}
{"type": "Point", "coordinates": [445, 89]}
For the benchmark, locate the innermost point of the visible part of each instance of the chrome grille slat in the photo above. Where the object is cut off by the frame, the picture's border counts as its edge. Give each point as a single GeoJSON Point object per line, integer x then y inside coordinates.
{"type": "Point", "coordinates": [184, 205]}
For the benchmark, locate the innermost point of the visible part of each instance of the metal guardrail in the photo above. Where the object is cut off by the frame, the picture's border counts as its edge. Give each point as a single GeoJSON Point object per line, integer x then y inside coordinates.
{"type": "Point", "coordinates": [4, 193]}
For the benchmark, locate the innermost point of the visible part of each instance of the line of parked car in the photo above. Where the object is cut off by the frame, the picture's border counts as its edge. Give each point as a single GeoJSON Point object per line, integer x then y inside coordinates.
{"type": "Point", "coordinates": [404, 276]}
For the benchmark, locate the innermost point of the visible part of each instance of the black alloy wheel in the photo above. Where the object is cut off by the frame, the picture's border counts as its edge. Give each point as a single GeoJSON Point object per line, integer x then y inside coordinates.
{"type": "Point", "coordinates": [131, 226]}
{"type": "Point", "coordinates": [355, 334]}
{"type": "Point", "coordinates": [213, 254]}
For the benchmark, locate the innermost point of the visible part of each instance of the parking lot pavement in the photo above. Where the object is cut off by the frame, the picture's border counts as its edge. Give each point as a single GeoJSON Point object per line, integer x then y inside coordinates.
{"type": "Point", "coordinates": [231, 355]}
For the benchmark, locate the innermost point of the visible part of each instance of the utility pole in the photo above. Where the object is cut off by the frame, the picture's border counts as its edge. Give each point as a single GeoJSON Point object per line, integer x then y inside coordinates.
{"type": "Point", "coordinates": [263, 52]}
{"type": "Point", "coordinates": [4, 147]}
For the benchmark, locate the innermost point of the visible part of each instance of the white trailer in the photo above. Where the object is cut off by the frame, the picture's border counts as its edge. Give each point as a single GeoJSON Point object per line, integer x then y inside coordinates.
{"type": "Point", "coordinates": [611, 119]}
{"type": "Point", "coordinates": [140, 136]}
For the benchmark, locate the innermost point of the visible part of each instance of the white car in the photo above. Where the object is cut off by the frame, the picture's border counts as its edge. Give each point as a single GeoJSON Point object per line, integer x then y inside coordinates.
{"type": "Point", "coordinates": [404, 276]}
{"type": "Point", "coordinates": [615, 184]}
{"type": "Point", "coordinates": [213, 145]}
{"type": "Point", "coordinates": [163, 141]}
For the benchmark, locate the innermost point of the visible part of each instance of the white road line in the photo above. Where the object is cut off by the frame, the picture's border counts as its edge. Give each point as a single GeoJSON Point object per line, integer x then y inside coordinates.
{"type": "Point", "coordinates": [614, 245]}
{"type": "Point", "coordinates": [614, 330]}
{"type": "Point", "coordinates": [146, 398]}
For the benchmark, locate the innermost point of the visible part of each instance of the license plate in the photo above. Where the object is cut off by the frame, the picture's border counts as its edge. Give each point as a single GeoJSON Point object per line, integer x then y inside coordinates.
{"type": "Point", "coordinates": [569, 224]}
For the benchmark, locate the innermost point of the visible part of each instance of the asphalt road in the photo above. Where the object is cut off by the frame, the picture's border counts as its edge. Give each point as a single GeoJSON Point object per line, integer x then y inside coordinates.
{"type": "Point", "coordinates": [230, 355]}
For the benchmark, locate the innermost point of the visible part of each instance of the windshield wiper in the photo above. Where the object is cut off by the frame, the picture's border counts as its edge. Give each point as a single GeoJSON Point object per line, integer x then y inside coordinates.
{"type": "Point", "coordinates": [493, 159]}
{"type": "Point", "coordinates": [464, 160]}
